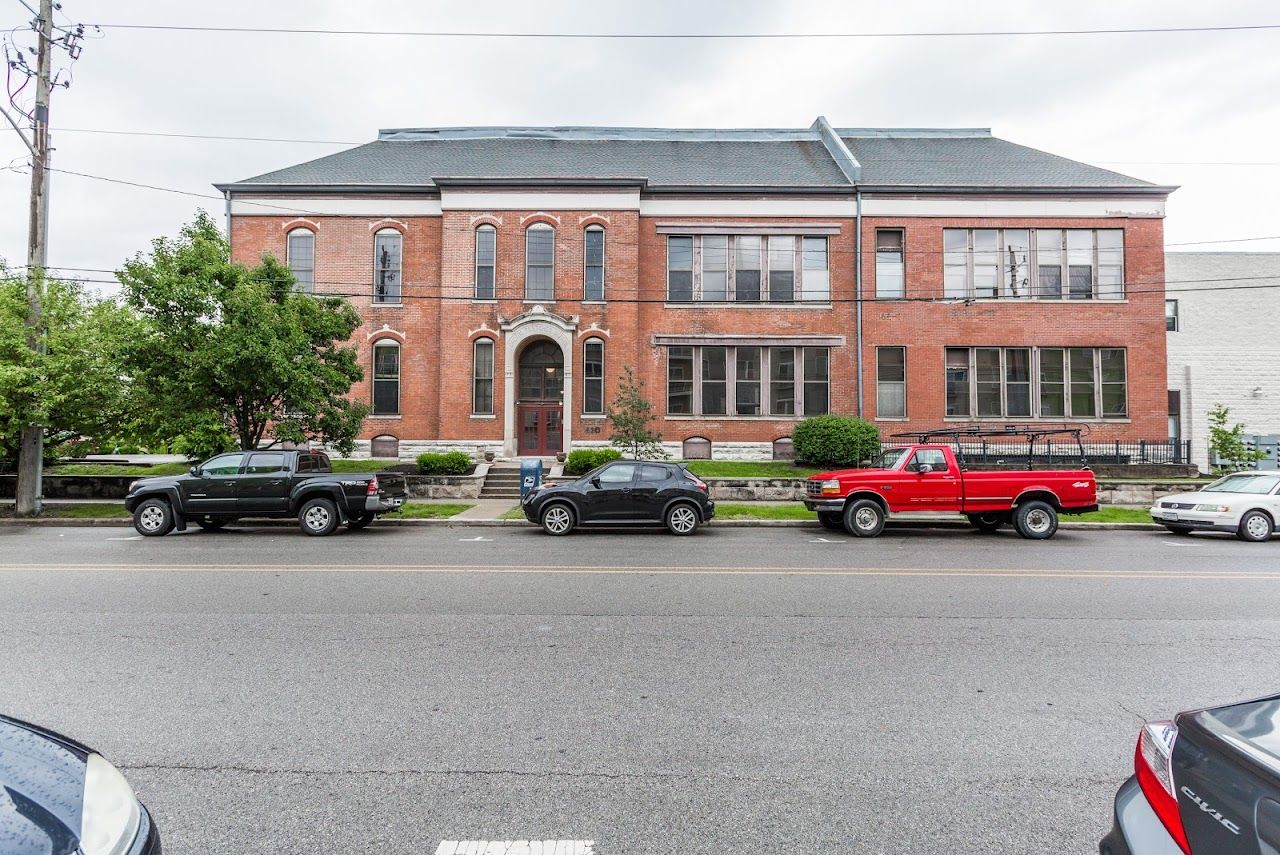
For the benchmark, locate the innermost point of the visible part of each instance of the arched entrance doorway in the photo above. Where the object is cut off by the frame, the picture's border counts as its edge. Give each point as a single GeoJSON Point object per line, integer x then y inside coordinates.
{"type": "Point", "coordinates": [540, 399]}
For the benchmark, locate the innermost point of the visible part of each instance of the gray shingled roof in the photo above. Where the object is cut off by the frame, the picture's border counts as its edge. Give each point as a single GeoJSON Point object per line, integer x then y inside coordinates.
{"type": "Point", "coordinates": [763, 158]}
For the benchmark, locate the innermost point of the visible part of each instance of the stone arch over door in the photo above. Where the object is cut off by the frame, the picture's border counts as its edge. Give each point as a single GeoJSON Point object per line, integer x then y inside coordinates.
{"type": "Point", "coordinates": [537, 323]}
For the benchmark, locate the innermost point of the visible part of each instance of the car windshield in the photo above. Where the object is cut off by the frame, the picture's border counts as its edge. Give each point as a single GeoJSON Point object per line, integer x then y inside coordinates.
{"type": "Point", "coordinates": [1256, 484]}
{"type": "Point", "coordinates": [889, 458]}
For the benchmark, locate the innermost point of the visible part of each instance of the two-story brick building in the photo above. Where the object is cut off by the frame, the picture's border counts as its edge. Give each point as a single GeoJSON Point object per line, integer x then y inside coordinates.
{"type": "Point", "coordinates": [750, 277]}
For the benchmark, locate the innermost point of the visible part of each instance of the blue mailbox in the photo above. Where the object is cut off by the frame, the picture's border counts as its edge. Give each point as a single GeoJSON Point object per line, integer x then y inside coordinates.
{"type": "Point", "coordinates": [530, 476]}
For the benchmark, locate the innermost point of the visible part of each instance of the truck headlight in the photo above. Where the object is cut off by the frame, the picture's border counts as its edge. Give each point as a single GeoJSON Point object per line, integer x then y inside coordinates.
{"type": "Point", "coordinates": [831, 486]}
{"type": "Point", "coordinates": [110, 815]}
{"type": "Point", "coordinates": [1214, 509]}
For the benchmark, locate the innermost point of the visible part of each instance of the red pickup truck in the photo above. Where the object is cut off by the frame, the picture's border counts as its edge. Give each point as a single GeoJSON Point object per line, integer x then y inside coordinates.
{"type": "Point", "coordinates": [923, 477]}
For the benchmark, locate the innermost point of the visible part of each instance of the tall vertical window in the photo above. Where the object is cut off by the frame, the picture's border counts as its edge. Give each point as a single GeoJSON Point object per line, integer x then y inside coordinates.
{"type": "Point", "coordinates": [1017, 381]}
{"type": "Point", "coordinates": [746, 274]}
{"type": "Point", "coordinates": [482, 377]}
{"type": "Point", "coordinates": [715, 268]}
{"type": "Point", "coordinates": [1080, 264]}
{"type": "Point", "coordinates": [986, 263]}
{"type": "Point", "coordinates": [987, 377]}
{"type": "Point", "coordinates": [1015, 260]}
{"type": "Point", "coordinates": [782, 268]}
{"type": "Point", "coordinates": [388, 247]}
{"type": "Point", "coordinates": [593, 263]}
{"type": "Point", "coordinates": [1049, 263]}
{"type": "Point", "coordinates": [1115, 382]}
{"type": "Point", "coordinates": [1083, 383]}
{"type": "Point", "coordinates": [1053, 382]}
{"type": "Point", "coordinates": [715, 381]}
{"type": "Point", "coordinates": [539, 262]}
{"type": "Point", "coordinates": [301, 251]}
{"type": "Point", "coordinates": [386, 378]}
{"type": "Point", "coordinates": [593, 376]}
{"type": "Point", "coordinates": [957, 374]}
{"type": "Point", "coordinates": [782, 381]}
{"type": "Point", "coordinates": [747, 381]}
{"type": "Point", "coordinates": [1171, 315]}
{"type": "Point", "coordinates": [891, 382]}
{"type": "Point", "coordinates": [486, 257]}
{"type": "Point", "coordinates": [680, 381]}
{"type": "Point", "coordinates": [955, 263]}
{"type": "Point", "coordinates": [890, 276]}
{"type": "Point", "coordinates": [679, 268]}
{"type": "Point", "coordinates": [815, 280]}
{"type": "Point", "coordinates": [817, 392]}
{"type": "Point", "coordinates": [1110, 264]}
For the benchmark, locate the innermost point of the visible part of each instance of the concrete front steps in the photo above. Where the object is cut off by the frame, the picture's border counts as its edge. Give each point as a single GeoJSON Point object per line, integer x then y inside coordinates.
{"type": "Point", "coordinates": [503, 480]}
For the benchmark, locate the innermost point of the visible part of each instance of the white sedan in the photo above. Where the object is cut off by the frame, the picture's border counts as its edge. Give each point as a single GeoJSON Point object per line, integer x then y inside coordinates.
{"type": "Point", "coordinates": [1246, 504]}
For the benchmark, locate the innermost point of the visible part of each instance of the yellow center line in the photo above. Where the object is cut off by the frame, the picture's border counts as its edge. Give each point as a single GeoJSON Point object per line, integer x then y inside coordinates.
{"type": "Point", "coordinates": [1014, 573]}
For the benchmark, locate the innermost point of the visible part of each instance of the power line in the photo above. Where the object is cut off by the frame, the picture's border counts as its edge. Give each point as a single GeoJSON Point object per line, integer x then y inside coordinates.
{"type": "Point", "coordinates": [463, 34]}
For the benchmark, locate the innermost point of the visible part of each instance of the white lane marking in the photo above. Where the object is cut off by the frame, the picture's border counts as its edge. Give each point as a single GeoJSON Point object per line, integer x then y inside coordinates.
{"type": "Point", "coordinates": [824, 540]}
{"type": "Point", "coordinates": [135, 537]}
{"type": "Point", "coordinates": [476, 539]}
{"type": "Point", "coordinates": [516, 847]}
{"type": "Point", "coordinates": [1181, 543]}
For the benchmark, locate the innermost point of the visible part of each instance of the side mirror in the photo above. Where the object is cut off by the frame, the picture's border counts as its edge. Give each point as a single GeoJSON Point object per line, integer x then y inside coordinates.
{"type": "Point", "coordinates": [595, 482]}
{"type": "Point", "coordinates": [195, 470]}
{"type": "Point", "coordinates": [925, 468]}
{"type": "Point", "coordinates": [865, 464]}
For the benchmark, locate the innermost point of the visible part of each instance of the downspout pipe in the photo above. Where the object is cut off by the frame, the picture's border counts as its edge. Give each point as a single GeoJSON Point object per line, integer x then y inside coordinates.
{"type": "Point", "coordinates": [857, 285]}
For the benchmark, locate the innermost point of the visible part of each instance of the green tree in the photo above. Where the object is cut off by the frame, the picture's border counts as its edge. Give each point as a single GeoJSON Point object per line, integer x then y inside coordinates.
{"type": "Point", "coordinates": [230, 351]}
{"type": "Point", "coordinates": [1227, 442]}
{"type": "Point", "coordinates": [630, 412]}
{"type": "Point", "coordinates": [76, 387]}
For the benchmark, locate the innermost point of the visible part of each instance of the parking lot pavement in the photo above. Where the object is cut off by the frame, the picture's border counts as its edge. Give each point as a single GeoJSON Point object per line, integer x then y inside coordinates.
{"type": "Point", "coordinates": [740, 690]}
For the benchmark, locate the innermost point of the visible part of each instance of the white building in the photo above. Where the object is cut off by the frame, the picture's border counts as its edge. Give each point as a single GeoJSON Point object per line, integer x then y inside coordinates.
{"type": "Point", "coordinates": [1223, 343]}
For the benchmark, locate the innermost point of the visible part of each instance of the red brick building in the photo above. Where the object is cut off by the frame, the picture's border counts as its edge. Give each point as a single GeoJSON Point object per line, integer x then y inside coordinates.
{"type": "Point", "coordinates": [918, 278]}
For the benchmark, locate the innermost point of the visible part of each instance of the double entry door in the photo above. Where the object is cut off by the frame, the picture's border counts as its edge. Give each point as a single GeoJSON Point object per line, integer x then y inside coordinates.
{"type": "Point", "coordinates": [540, 428]}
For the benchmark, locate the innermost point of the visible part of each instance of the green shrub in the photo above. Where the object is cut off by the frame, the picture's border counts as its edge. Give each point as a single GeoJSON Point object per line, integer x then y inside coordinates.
{"type": "Point", "coordinates": [835, 441]}
{"type": "Point", "coordinates": [451, 463]}
{"type": "Point", "coordinates": [583, 460]}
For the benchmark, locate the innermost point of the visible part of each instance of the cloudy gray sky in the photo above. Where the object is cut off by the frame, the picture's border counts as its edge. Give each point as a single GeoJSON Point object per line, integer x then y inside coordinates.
{"type": "Point", "coordinates": [1169, 108]}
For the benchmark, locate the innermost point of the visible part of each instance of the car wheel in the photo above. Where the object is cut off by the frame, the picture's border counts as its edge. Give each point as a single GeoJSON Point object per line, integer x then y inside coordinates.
{"type": "Point", "coordinates": [682, 519]}
{"type": "Point", "coordinates": [987, 523]}
{"type": "Point", "coordinates": [1255, 526]}
{"type": "Point", "coordinates": [557, 519]}
{"type": "Point", "coordinates": [153, 518]}
{"type": "Point", "coordinates": [357, 523]}
{"type": "Point", "coordinates": [318, 517]}
{"type": "Point", "coordinates": [864, 518]}
{"type": "Point", "coordinates": [211, 525]}
{"type": "Point", "coordinates": [1036, 520]}
{"type": "Point", "coordinates": [830, 520]}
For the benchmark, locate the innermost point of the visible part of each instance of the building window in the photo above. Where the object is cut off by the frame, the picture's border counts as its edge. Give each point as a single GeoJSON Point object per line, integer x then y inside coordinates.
{"type": "Point", "coordinates": [300, 249]}
{"type": "Point", "coordinates": [386, 378]}
{"type": "Point", "coordinates": [735, 268]}
{"type": "Point", "coordinates": [997, 382]}
{"type": "Point", "coordinates": [388, 246]}
{"type": "Point", "coordinates": [486, 258]}
{"type": "Point", "coordinates": [792, 380]}
{"type": "Point", "coordinates": [1049, 264]}
{"type": "Point", "coordinates": [593, 377]}
{"type": "Point", "coordinates": [1171, 315]}
{"type": "Point", "coordinates": [891, 382]}
{"type": "Point", "coordinates": [539, 262]}
{"type": "Point", "coordinates": [696, 448]}
{"type": "Point", "coordinates": [482, 377]}
{"type": "Point", "coordinates": [890, 271]}
{"type": "Point", "coordinates": [783, 449]}
{"type": "Point", "coordinates": [384, 446]}
{"type": "Point", "coordinates": [593, 263]}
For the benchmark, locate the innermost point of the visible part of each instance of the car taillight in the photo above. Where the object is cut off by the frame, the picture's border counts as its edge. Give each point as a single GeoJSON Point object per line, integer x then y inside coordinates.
{"type": "Point", "coordinates": [1153, 763]}
{"type": "Point", "coordinates": [373, 486]}
{"type": "Point", "coordinates": [697, 482]}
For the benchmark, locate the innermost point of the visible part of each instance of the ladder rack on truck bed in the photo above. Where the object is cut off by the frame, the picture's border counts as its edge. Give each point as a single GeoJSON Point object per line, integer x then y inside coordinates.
{"type": "Point", "coordinates": [955, 436]}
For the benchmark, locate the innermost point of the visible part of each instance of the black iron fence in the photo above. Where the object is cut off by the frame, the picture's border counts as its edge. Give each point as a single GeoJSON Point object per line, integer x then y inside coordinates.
{"type": "Point", "coordinates": [1012, 452]}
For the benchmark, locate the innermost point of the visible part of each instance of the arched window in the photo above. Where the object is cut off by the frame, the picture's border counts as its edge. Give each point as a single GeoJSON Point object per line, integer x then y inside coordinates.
{"type": "Point", "coordinates": [783, 449]}
{"type": "Point", "coordinates": [593, 377]}
{"type": "Point", "coordinates": [388, 250]}
{"type": "Point", "coordinates": [593, 263]}
{"type": "Point", "coordinates": [696, 448]}
{"type": "Point", "coordinates": [300, 252]}
{"type": "Point", "coordinates": [539, 262]}
{"type": "Point", "coordinates": [486, 256]}
{"type": "Point", "coordinates": [384, 446]}
{"type": "Point", "coordinates": [482, 377]}
{"type": "Point", "coordinates": [386, 378]}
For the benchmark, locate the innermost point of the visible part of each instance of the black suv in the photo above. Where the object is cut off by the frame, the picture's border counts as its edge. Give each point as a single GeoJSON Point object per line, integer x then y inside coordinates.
{"type": "Point", "coordinates": [626, 492]}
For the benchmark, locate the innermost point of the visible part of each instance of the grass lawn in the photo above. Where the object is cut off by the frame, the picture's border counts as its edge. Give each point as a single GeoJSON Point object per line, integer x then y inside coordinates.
{"type": "Point", "coordinates": [1114, 514]}
{"type": "Point", "coordinates": [424, 511]}
{"type": "Point", "coordinates": [342, 464]}
{"type": "Point", "coordinates": [747, 469]}
{"type": "Point", "coordinates": [513, 514]}
{"type": "Point", "coordinates": [118, 469]}
{"type": "Point", "coordinates": [87, 510]}
{"type": "Point", "coordinates": [755, 511]}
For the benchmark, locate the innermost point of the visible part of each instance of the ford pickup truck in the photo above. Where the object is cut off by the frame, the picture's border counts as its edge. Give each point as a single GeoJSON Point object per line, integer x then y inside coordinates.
{"type": "Point", "coordinates": [928, 477]}
{"type": "Point", "coordinates": [265, 483]}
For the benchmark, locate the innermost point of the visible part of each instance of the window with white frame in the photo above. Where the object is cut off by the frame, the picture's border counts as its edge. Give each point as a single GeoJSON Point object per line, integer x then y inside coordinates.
{"type": "Point", "coordinates": [748, 380]}
{"type": "Point", "coordinates": [891, 382]}
{"type": "Point", "coordinates": [1042, 382]}
{"type": "Point", "coordinates": [748, 269]}
{"type": "Point", "coordinates": [388, 252]}
{"type": "Point", "coordinates": [386, 378]}
{"type": "Point", "coordinates": [1171, 315]}
{"type": "Point", "coordinates": [593, 264]}
{"type": "Point", "coordinates": [482, 377]}
{"type": "Point", "coordinates": [1046, 264]}
{"type": "Point", "coordinates": [593, 377]}
{"type": "Point", "coordinates": [486, 259]}
{"type": "Point", "coordinates": [890, 270]}
{"type": "Point", "coordinates": [539, 262]}
{"type": "Point", "coordinates": [300, 249]}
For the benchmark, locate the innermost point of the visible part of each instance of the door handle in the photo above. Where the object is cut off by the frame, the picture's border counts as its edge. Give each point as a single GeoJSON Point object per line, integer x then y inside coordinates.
{"type": "Point", "coordinates": [626, 489]}
{"type": "Point", "coordinates": [275, 483]}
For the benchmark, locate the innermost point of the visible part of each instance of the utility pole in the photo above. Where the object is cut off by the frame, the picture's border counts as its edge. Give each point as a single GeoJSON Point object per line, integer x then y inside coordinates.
{"type": "Point", "coordinates": [30, 487]}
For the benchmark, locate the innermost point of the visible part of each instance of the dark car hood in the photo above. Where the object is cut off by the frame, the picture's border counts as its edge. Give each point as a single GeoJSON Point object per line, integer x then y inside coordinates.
{"type": "Point", "coordinates": [41, 789]}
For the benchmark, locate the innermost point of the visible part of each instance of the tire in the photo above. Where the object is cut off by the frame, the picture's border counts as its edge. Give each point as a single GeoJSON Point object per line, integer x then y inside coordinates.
{"type": "Point", "coordinates": [864, 518]}
{"type": "Point", "coordinates": [1036, 520]}
{"type": "Point", "coordinates": [1255, 527]}
{"type": "Point", "coordinates": [153, 518]}
{"type": "Point", "coordinates": [212, 525]}
{"type": "Point", "coordinates": [357, 523]}
{"type": "Point", "coordinates": [318, 517]}
{"type": "Point", "coordinates": [830, 520]}
{"type": "Point", "coordinates": [987, 523]}
{"type": "Point", "coordinates": [682, 519]}
{"type": "Point", "coordinates": [557, 519]}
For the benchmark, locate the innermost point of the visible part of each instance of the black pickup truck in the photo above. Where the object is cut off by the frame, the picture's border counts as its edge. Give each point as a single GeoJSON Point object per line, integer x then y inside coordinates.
{"type": "Point", "coordinates": [298, 484]}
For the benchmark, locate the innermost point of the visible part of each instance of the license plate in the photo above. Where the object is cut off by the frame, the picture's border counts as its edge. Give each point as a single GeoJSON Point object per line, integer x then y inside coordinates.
{"type": "Point", "coordinates": [1170, 516]}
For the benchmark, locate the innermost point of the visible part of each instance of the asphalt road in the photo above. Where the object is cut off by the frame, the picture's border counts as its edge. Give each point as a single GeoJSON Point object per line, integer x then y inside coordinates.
{"type": "Point", "coordinates": [745, 690]}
